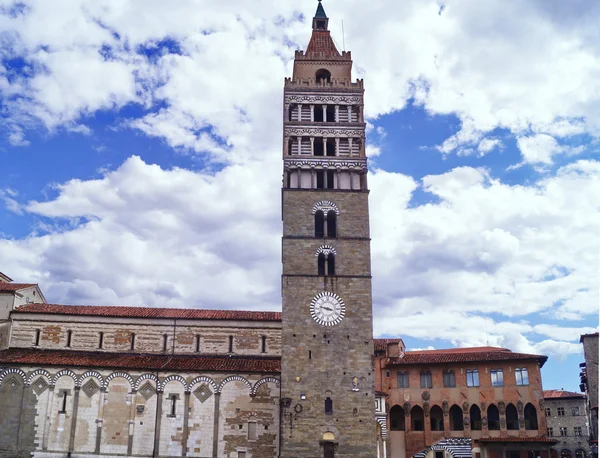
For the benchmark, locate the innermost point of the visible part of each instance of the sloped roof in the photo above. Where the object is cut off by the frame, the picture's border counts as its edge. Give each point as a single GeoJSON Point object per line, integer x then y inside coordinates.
{"type": "Point", "coordinates": [15, 286]}
{"type": "Point", "coordinates": [381, 344]}
{"type": "Point", "coordinates": [194, 363]}
{"type": "Point", "coordinates": [561, 394]}
{"type": "Point", "coordinates": [149, 312]}
{"type": "Point", "coordinates": [462, 355]}
{"type": "Point", "coordinates": [321, 45]}
{"type": "Point", "coordinates": [537, 440]}
{"type": "Point", "coordinates": [320, 11]}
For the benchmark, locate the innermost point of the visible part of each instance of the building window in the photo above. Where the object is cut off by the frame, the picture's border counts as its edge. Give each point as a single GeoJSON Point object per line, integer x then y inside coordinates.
{"type": "Point", "coordinates": [426, 380]}
{"type": "Point", "coordinates": [328, 406]}
{"type": "Point", "coordinates": [577, 430]}
{"type": "Point", "coordinates": [580, 453]}
{"type": "Point", "coordinates": [329, 450]}
{"type": "Point", "coordinates": [497, 377]}
{"type": "Point", "coordinates": [331, 224]}
{"type": "Point", "coordinates": [475, 417]}
{"type": "Point", "coordinates": [319, 224]}
{"type": "Point", "coordinates": [241, 455]}
{"type": "Point", "coordinates": [263, 344]}
{"type": "Point", "coordinates": [548, 412]}
{"type": "Point", "coordinates": [493, 418]}
{"type": "Point", "coordinates": [173, 411]}
{"type": "Point", "coordinates": [321, 260]}
{"type": "Point", "coordinates": [473, 377]}
{"type": "Point", "coordinates": [37, 337]}
{"type": "Point", "coordinates": [330, 264]}
{"type": "Point", "coordinates": [397, 420]}
{"type": "Point", "coordinates": [456, 418]}
{"type": "Point", "coordinates": [449, 379]}
{"type": "Point", "coordinates": [563, 430]}
{"type": "Point", "coordinates": [512, 417]}
{"type": "Point", "coordinates": [575, 411]}
{"type": "Point", "coordinates": [197, 343]}
{"type": "Point", "coordinates": [252, 430]}
{"type": "Point", "coordinates": [69, 335]}
{"type": "Point", "coordinates": [402, 379]}
{"type": "Point", "coordinates": [230, 344]}
{"type": "Point", "coordinates": [100, 340]}
{"type": "Point", "coordinates": [165, 341]}
{"type": "Point", "coordinates": [436, 417]}
{"type": "Point", "coordinates": [550, 432]}
{"type": "Point", "coordinates": [530, 415]}
{"type": "Point", "coordinates": [132, 341]}
{"type": "Point", "coordinates": [521, 376]}
{"type": "Point", "coordinates": [565, 453]}
{"type": "Point", "coordinates": [560, 411]}
{"type": "Point", "coordinates": [64, 402]}
{"type": "Point", "coordinates": [417, 419]}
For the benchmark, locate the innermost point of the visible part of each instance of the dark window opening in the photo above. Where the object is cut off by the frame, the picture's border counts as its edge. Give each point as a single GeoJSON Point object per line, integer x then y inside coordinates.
{"type": "Point", "coordinates": [263, 344]}
{"type": "Point", "coordinates": [318, 113]}
{"type": "Point", "coordinates": [437, 418]}
{"type": "Point", "coordinates": [331, 264]}
{"type": "Point", "coordinates": [493, 415]}
{"type": "Point", "coordinates": [328, 406]}
{"type": "Point", "coordinates": [426, 380]}
{"type": "Point", "coordinates": [530, 414]}
{"type": "Point", "coordinates": [321, 264]}
{"type": "Point", "coordinates": [318, 147]}
{"type": "Point", "coordinates": [449, 379]}
{"type": "Point", "coordinates": [252, 430]}
{"type": "Point", "coordinates": [290, 143]}
{"type": "Point", "coordinates": [329, 147]}
{"type": "Point", "coordinates": [439, 454]}
{"type": "Point", "coordinates": [132, 340]}
{"type": "Point", "coordinates": [64, 403]}
{"type": "Point", "coordinates": [512, 417]}
{"type": "Point", "coordinates": [330, 113]}
{"type": "Point", "coordinates": [402, 379]}
{"type": "Point", "coordinates": [230, 344]}
{"type": "Point", "coordinates": [323, 75]}
{"type": "Point", "coordinates": [197, 343]}
{"type": "Point", "coordinates": [331, 224]}
{"type": "Point", "coordinates": [320, 179]}
{"type": "Point", "coordinates": [293, 108]}
{"type": "Point", "coordinates": [330, 179]}
{"type": "Point", "coordinates": [417, 419]}
{"type": "Point", "coordinates": [165, 341]}
{"type": "Point", "coordinates": [37, 337]}
{"type": "Point", "coordinates": [69, 335]}
{"type": "Point", "coordinates": [397, 419]}
{"type": "Point", "coordinates": [456, 418]}
{"type": "Point", "coordinates": [173, 406]}
{"type": "Point", "coordinates": [319, 224]}
{"type": "Point", "coordinates": [101, 340]}
{"type": "Point", "coordinates": [475, 417]}
{"type": "Point", "coordinates": [309, 354]}
{"type": "Point", "coordinates": [328, 450]}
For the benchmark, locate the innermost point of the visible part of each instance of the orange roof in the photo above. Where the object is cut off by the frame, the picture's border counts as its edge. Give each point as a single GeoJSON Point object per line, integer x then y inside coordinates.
{"type": "Point", "coordinates": [149, 312]}
{"type": "Point", "coordinates": [15, 286]}
{"type": "Point", "coordinates": [195, 363]}
{"type": "Point", "coordinates": [460, 350]}
{"type": "Point", "coordinates": [381, 344]}
{"type": "Point", "coordinates": [321, 45]}
{"type": "Point", "coordinates": [460, 355]}
{"type": "Point", "coordinates": [561, 394]}
{"type": "Point", "coordinates": [538, 439]}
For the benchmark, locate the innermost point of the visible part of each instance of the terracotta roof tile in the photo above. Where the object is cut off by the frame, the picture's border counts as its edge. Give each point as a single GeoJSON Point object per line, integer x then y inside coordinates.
{"type": "Point", "coordinates": [321, 45]}
{"type": "Point", "coordinates": [149, 312]}
{"type": "Point", "coordinates": [193, 363]}
{"type": "Point", "coordinates": [458, 356]}
{"type": "Point", "coordinates": [561, 394]}
{"type": "Point", "coordinates": [459, 350]}
{"type": "Point", "coordinates": [15, 286]}
{"type": "Point", "coordinates": [538, 439]}
{"type": "Point", "coordinates": [381, 344]}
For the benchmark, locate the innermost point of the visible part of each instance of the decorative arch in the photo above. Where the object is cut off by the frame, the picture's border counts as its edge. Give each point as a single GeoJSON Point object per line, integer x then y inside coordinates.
{"type": "Point", "coordinates": [512, 417]}
{"type": "Point", "coordinates": [87, 374]}
{"type": "Point", "coordinates": [417, 419]}
{"type": "Point", "coordinates": [38, 372]}
{"type": "Point", "coordinates": [234, 378]}
{"type": "Point", "coordinates": [143, 377]}
{"type": "Point", "coordinates": [493, 418]}
{"type": "Point", "coordinates": [383, 425]}
{"type": "Point", "coordinates": [262, 381]}
{"type": "Point", "coordinates": [328, 436]}
{"type": "Point", "coordinates": [64, 373]}
{"type": "Point", "coordinates": [325, 250]}
{"type": "Point", "coordinates": [172, 378]}
{"type": "Point", "coordinates": [204, 379]}
{"type": "Point", "coordinates": [475, 417]}
{"type": "Point", "coordinates": [397, 418]}
{"type": "Point", "coordinates": [115, 375]}
{"type": "Point", "coordinates": [325, 206]}
{"type": "Point", "coordinates": [436, 418]}
{"type": "Point", "coordinates": [530, 413]}
{"type": "Point", "coordinates": [323, 75]}
{"type": "Point", "coordinates": [456, 418]}
{"type": "Point", "coordinates": [12, 370]}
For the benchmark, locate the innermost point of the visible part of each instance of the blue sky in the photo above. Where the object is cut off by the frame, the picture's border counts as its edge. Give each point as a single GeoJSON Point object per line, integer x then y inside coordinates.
{"type": "Point", "coordinates": [140, 158]}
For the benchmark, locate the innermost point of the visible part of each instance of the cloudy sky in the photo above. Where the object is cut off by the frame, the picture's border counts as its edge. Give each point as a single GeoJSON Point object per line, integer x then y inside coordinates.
{"type": "Point", "coordinates": [140, 158]}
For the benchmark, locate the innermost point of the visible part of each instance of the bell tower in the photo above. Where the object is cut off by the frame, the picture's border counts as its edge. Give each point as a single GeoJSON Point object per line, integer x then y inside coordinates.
{"type": "Point", "coordinates": [327, 390]}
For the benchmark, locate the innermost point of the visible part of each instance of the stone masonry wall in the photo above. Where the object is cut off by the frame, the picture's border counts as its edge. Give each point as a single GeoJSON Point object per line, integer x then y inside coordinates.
{"type": "Point", "coordinates": [574, 416]}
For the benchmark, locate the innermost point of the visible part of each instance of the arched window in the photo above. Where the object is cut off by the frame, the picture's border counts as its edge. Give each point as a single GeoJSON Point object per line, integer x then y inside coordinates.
{"type": "Point", "coordinates": [456, 418]}
{"type": "Point", "coordinates": [321, 264]}
{"type": "Point", "coordinates": [328, 406]}
{"type": "Point", "coordinates": [416, 419]}
{"type": "Point", "coordinates": [397, 420]}
{"type": "Point", "coordinates": [437, 418]}
{"type": "Point", "coordinates": [319, 224]}
{"type": "Point", "coordinates": [493, 418]}
{"type": "Point", "coordinates": [565, 453]}
{"type": "Point", "coordinates": [579, 453]}
{"type": "Point", "coordinates": [512, 417]}
{"type": "Point", "coordinates": [530, 414]}
{"type": "Point", "coordinates": [475, 417]}
{"type": "Point", "coordinates": [323, 75]}
{"type": "Point", "coordinates": [331, 264]}
{"type": "Point", "coordinates": [331, 224]}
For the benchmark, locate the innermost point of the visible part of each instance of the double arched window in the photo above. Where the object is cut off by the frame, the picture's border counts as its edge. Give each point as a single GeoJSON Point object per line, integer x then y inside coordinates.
{"type": "Point", "coordinates": [325, 224]}
{"type": "Point", "coordinates": [326, 260]}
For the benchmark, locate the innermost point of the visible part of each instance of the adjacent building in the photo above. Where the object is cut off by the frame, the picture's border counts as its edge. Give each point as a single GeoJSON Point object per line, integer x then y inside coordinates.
{"type": "Point", "coordinates": [589, 385]}
{"type": "Point", "coordinates": [566, 418]}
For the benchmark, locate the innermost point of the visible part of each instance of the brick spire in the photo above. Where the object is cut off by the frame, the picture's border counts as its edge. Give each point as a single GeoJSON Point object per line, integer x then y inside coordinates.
{"type": "Point", "coordinates": [321, 44]}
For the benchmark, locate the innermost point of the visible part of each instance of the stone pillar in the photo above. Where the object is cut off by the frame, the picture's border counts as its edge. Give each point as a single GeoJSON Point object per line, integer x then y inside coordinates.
{"type": "Point", "coordinates": [324, 113]}
{"type": "Point", "coordinates": [216, 426]}
{"type": "Point", "coordinates": [159, 398]}
{"type": "Point", "coordinates": [286, 146]}
{"type": "Point", "coordinates": [312, 113]}
{"type": "Point", "coordinates": [379, 447]}
{"type": "Point", "coordinates": [186, 419]}
{"type": "Point", "coordinates": [48, 417]}
{"type": "Point", "coordinates": [100, 419]}
{"type": "Point", "coordinates": [335, 178]}
{"type": "Point", "coordinates": [74, 418]}
{"type": "Point", "coordinates": [299, 112]}
{"type": "Point", "coordinates": [337, 146]}
{"type": "Point", "coordinates": [25, 386]}
{"type": "Point", "coordinates": [287, 112]}
{"type": "Point", "coordinates": [131, 422]}
{"type": "Point", "coordinates": [337, 113]}
{"type": "Point", "coordinates": [349, 107]}
{"type": "Point", "coordinates": [384, 450]}
{"type": "Point", "coordinates": [350, 146]}
{"type": "Point", "coordinates": [313, 179]}
{"type": "Point", "coordinates": [299, 141]}
{"type": "Point", "coordinates": [312, 146]}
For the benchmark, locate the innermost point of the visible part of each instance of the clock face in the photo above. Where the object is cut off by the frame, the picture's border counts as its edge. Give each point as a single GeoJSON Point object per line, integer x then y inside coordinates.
{"type": "Point", "coordinates": [327, 309]}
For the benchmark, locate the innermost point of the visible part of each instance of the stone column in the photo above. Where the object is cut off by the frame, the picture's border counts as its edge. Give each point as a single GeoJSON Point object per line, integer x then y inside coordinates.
{"type": "Point", "coordinates": [216, 426]}
{"type": "Point", "coordinates": [287, 112]}
{"type": "Point", "coordinates": [350, 146]}
{"type": "Point", "coordinates": [186, 419]}
{"type": "Point", "coordinates": [384, 450]}
{"type": "Point", "coordinates": [337, 113]}
{"type": "Point", "coordinates": [312, 113]}
{"type": "Point", "coordinates": [299, 141]}
{"type": "Point", "coordinates": [337, 146]}
{"type": "Point", "coordinates": [349, 113]}
{"type": "Point", "coordinates": [159, 398]}
{"type": "Point", "coordinates": [324, 113]}
{"type": "Point", "coordinates": [299, 112]}
{"type": "Point", "coordinates": [100, 419]}
{"type": "Point", "coordinates": [335, 178]}
{"type": "Point", "coordinates": [312, 146]}
{"type": "Point", "coordinates": [48, 417]}
{"type": "Point", "coordinates": [74, 418]}
{"type": "Point", "coordinates": [313, 179]}
{"type": "Point", "coordinates": [131, 422]}
{"type": "Point", "coordinates": [286, 146]}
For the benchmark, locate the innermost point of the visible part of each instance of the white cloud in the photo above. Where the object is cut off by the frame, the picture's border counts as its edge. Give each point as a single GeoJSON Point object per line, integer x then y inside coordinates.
{"type": "Point", "coordinates": [539, 148]}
